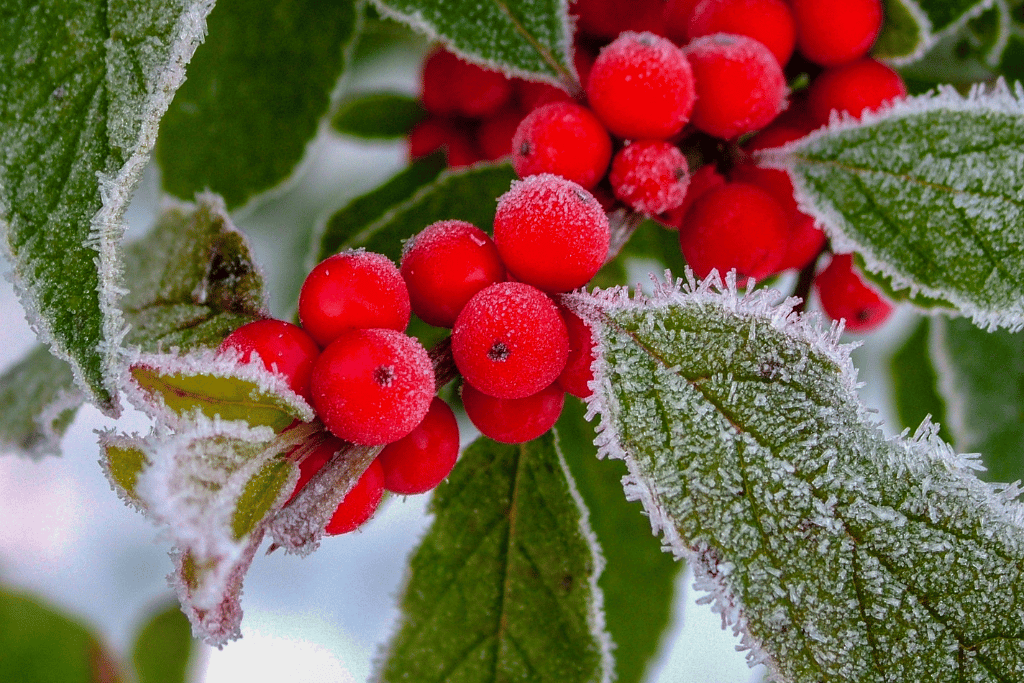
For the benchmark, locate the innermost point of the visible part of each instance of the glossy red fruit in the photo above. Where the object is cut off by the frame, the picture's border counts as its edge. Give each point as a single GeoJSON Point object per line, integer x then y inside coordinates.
{"type": "Point", "coordinates": [452, 87]}
{"type": "Point", "coordinates": [844, 295]}
{"type": "Point", "coordinates": [806, 241]}
{"type": "Point", "coordinates": [676, 14]}
{"type": "Point", "coordinates": [509, 341]}
{"type": "Point", "coordinates": [456, 141]}
{"type": "Point", "coordinates": [353, 290]}
{"type": "Point", "coordinates": [515, 420]}
{"type": "Point", "coordinates": [372, 387]}
{"type": "Point", "coordinates": [551, 233]}
{"type": "Point", "coordinates": [445, 265]}
{"type": "Point", "coordinates": [703, 179]}
{"type": "Point", "coordinates": [420, 460]}
{"type": "Point", "coordinates": [736, 226]}
{"type": "Point", "coordinates": [650, 176]}
{"type": "Point", "coordinates": [282, 347]}
{"type": "Point", "coordinates": [833, 32]}
{"type": "Point", "coordinates": [565, 139]}
{"type": "Point", "coordinates": [314, 461]}
{"type": "Point", "coordinates": [852, 88]}
{"type": "Point", "coordinates": [642, 87]}
{"type": "Point", "coordinates": [359, 503]}
{"type": "Point", "coordinates": [494, 134]}
{"type": "Point", "coordinates": [575, 378]}
{"type": "Point", "coordinates": [739, 83]}
{"type": "Point", "coordinates": [605, 19]}
{"type": "Point", "coordinates": [767, 21]}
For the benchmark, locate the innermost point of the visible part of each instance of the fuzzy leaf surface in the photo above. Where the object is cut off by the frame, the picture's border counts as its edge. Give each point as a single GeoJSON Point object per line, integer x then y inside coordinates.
{"type": "Point", "coordinates": [84, 87]}
{"type": "Point", "coordinates": [981, 379]}
{"type": "Point", "coordinates": [915, 383]}
{"type": "Point", "coordinates": [929, 193]}
{"type": "Point", "coordinates": [838, 553]}
{"type": "Point", "coordinates": [164, 649]}
{"type": "Point", "coordinates": [503, 587]}
{"type": "Point", "coordinates": [378, 116]}
{"type": "Point", "coordinates": [40, 399]}
{"type": "Point", "coordinates": [913, 26]}
{"type": "Point", "coordinates": [529, 38]}
{"type": "Point", "coordinates": [254, 97]}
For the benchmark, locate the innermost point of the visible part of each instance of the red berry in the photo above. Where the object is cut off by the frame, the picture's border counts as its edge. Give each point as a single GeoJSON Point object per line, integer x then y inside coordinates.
{"type": "Point", "coordinates": [533, 94]}
{"type": "Point", "coordinates": [359, 503]}
{"type": "Point", "coordinates": [833, 32]}
{"type": "Point", "coordinates": [575, 378]}
{"type": "Point", "coordinates": [551, 233]}
{"type": "Point", "coordinates": [314, 461]}
{"type": "Point", "coordinates": [767, 21]}
{"type": "Point", "coordinates": [433, 134]}
{"type": "Point", "coordinates": [605, 19]}
{"type": "Point", "coordinates": [513, 420]}
{"type": "Point", "coordinates": [852, 88]}
{"type": "Point", "coordinates": [354, 289]}
{"type": "Point", "coordinates": [844, 295]}
{"type": "Point", "coordinates": [372, 387]}
{"type": "Point", "coordinates": [676, 14]}
{"type": "Point", "coordinates": [282, 347]}
{"type": "Point", "coordinates": [651, 176]}
{"type": "Point", "coordinates": [495, 133]}
{"type": "Point", "coordinates": [445, 265]}
{"type": "Point", "coordinates": [565, 139]}
{"type": "Point", "coordinates": [735, 226]}
{"type": "Point", "coordinates": [452, 87]}
{"type": "Point", "coordinates": [642, 87]}
{"type": "Point", "coordinates": [420, 460]}
{"type": "Point", "coordinates": [509, 341]}
{"type": "Point", "coordinates": [740, 85]}
{"type": "Point", "coordinates": [805, 242]}
{"type": "Point", "coordinates": [704, 178]}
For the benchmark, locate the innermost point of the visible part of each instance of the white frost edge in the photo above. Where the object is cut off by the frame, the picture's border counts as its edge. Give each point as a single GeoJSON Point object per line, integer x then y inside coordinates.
{"type": "Point", "coordinates": [67, 399]}
{"type": "Point", "coordinates": [929, 38]}
{"type": "Point", "coordinates": [947, 384]}
{"type": "Point", "coordinates": [769, 307]}
{"type": "Point", "coordinates": [417, 22]}
{"type": "Point", "coordinates": [998, 98]}
{"type": "Point", "coordinates": [111, 437]}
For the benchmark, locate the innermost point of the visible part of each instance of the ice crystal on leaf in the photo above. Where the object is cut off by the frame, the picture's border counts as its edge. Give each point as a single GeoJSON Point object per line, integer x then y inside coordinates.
{"type": "Point", "coordinates": [838, 553]}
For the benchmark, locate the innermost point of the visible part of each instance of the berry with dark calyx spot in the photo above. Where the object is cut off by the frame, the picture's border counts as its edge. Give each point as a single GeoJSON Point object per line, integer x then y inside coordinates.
{"type": "Point", "coordinates": [767, 21]}
{"type": "Point", "coordinates": [575, 378]}
{"type": "Point", "coordinates": [513, 420]}
{"type": "Point", "coordinates": [833, 32]}
{"type": "Point", "coordinates": [283, 348]}
{"type": "Point", "coordinates": [844, 295]}
{"type": "Point", "coordinates": [509, 341]}
{"type": "Point", "coordinates": [852, 88]}
{"type": "Point", "coordinates": [651, 176]}
{"type": "Point", "coordinates": [703, 179]}
{"type": "Point", "coordinates": [353, 289]}
{"type": "Point", "coordinates": [433, 134]}
{"type": "Point", "coordinates": [642, 87]}
{"type": "Point", "coordinates": [739, 83]}
{"type": "Point", "coordinates": [453, 87]}
{"type": "Point", "coordinates": [372, 387]}
{"type": "Point", "coordinates": [420, 460]}
{"type": "Point", "coordinates": [565, 139]}
{"type": "Point", "coordinates": [359, 503]}
{"type": "Point", "coordinates": [551, 233]}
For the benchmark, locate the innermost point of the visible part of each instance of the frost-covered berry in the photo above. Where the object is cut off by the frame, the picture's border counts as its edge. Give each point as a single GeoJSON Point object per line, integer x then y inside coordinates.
{"type": "Point", "coordinates": [513, 420]}
{"type": "Point", "coordinates": [509, 341]}
{"type": "Point", "coordinates": [372, 387]}
{"type": "Point", "coordinates": [767, 21]}
{"type": "Point", "coordinates": [642, 87]}
{"type": "Point", "coordinates": [452, 87]}
{"type": "Point", "coordinates": [852, 88]}
{"type": "Point", "coordinates": [445, 265]}
{"type": "Point", "coordinates": [740, 85]}
{"type": "Point", "coordinates": [551, 233]}
{"type": "Point", "coordinates": [420, 460]}
{"type": "Point", "coordinates": [575, 378]}
{"type": "Point", "coordinates": [359, 504]}
{"type": "Point", "coordinates": [833, 32]}
{"type": "Point", "coordinates": [844, 295]}
{"type": "Point", "coordinates": [283, 348]}
{"type": "Point", "coordinates": [434, 134]}
{"type": "Point", "coordinates": [565, 139]}
{"type": "Point", "coordinates": [650, 176]}
{"type": "Point", "coordinates": [736, 226]}
{"type": "Point", "coordinates": [354, 289]}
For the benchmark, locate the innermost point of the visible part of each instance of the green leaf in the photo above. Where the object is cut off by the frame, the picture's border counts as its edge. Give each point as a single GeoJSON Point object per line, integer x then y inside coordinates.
{"type": "Point", "coordinates": [378, 116]}
{"type": "Point", "coordinates": [639, 578]}
{"type": "Point", "coordinates": [40, 400]}
{"type": "Point", "coordinates": [503, 587]}
{"type": "Point", "coordinates": [928, 193]}
{"type": "Point", "coordinates": [123, 458]}
{"type": "Point", "coordinates": [529, 38]}
{"type": "Point", "coordinates": [40, 644]}
{"type": "Point", "coordinates": [255, 94]}
{"type": "Point", "coordinates": [468, 194]}
{"type": "Point", "coordinates": [164, 649]}
{"type": "Point", "coordinates": [84, 87]}
{"type": "Point", "coordinates": [915, 383]}
{"type": "Point", "coordinates": [981, 378]}
{"type": "Point", "coordinates": [838, 553]}
{"type": "Point", "coordinates": [913, 26]}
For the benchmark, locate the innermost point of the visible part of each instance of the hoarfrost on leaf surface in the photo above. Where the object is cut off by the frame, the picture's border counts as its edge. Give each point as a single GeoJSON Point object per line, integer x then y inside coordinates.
{"type": "Point", "coordinates": [838, 553]}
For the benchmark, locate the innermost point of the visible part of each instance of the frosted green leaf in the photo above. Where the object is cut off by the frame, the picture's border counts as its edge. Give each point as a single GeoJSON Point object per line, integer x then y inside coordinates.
{"type": "Point", "coordinates": [84, 86]}
{"type": "Point", "coordinates": [839, 554]}
{"type": "Point", "coordinates": [915, 383]}
{"type": "Point", "coordinates": [912, 27]}
{"type": "Point", "coordinates": [255, 95]}
{"type": "Point", "coordinates": [40, 400]}
{"type": "Point", "coordinates": [164, 650]}
{"type": "Point", "coordinates": [378, 116]}
{"type": "Point", "coordinates": [930, 193]}
{"type": "Point", "coordinates": [123, 458]}
{"type": "Point", "coordinates": [981, 379]}
{"type": "Point", "coordinates": [503, 586]}
{"type": "Point", "coordinates": [528, 38]}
